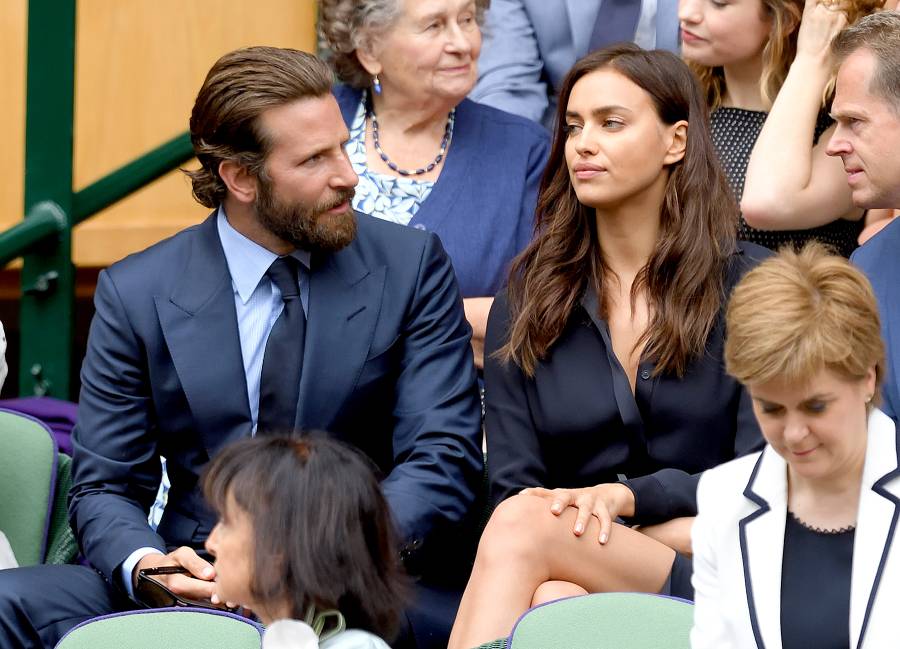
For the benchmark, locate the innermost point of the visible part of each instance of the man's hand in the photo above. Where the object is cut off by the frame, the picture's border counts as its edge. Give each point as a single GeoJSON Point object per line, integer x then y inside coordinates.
{"type": "Point", "coordinates": [606, 502]}
{"type": "Point", "coordinates": [198, 584]}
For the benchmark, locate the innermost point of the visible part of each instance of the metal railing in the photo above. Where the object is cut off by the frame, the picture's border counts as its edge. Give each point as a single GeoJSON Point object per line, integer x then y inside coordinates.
{"type": "Point", "coordinates": [44, 237]}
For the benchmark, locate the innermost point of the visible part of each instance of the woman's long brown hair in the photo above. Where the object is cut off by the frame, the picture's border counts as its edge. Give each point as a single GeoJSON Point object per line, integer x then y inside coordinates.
{"type": "Point", "coordinates": [683, 280]}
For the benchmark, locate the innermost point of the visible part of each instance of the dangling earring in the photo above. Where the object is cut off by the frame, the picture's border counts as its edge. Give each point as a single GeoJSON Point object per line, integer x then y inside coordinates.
{"type": "Point", "coordinates": [376, 85]}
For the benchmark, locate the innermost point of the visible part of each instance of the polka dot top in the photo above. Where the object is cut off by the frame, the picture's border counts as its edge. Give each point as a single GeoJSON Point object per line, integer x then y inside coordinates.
{"type": "Point", "coordinates": [734, 132]}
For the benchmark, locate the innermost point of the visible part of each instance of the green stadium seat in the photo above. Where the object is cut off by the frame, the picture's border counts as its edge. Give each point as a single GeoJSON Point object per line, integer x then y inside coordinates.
{"type": "Point", "coordinates": [165, 628]}
{"type": "Point", "coordinates": [28, 469]}
{"type": "Point", "coordinates": [602, 621]}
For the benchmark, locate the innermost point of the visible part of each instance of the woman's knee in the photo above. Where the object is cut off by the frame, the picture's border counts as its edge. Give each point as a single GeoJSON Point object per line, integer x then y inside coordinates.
{"type": "Point", "coordinates": [519, 528]}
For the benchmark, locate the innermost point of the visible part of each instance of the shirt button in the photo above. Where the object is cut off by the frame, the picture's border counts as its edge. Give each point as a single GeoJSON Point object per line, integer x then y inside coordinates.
{"type": "Point", "coordinates": [419, 226]}
{"type": "Point", "coordinates": [645, 374]}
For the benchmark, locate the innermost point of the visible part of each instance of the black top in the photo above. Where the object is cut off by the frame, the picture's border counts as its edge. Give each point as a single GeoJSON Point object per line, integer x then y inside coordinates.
{"type": "Point", "coordinates": [576, 422]}
{"type": "Point", "coordinates": [734, 132]}
{"type": "Point", "coordinates": [813, 615]}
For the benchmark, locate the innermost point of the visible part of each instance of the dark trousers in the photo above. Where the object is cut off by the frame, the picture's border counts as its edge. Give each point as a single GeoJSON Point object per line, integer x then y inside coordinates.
{"type": "Point", "coordinates": [39, 605]}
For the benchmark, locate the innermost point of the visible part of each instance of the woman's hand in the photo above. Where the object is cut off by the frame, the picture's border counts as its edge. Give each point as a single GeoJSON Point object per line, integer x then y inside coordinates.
{"type": "Point", "coordinates": [605, 502]}
{"type": "Point", "coordinates": [821, 22]}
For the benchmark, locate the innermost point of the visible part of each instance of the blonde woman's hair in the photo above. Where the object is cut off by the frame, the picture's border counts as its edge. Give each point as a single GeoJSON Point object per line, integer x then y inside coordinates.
{"type": "Point", "coordinates": [798, 313]}
{"type": "Point", "coordinates": [779, 51]}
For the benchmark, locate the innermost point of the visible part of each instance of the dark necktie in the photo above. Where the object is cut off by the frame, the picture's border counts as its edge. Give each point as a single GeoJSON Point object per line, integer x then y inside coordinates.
{"type": "Point", "coordinates": [617, 21]}
{"type": "Point", "coordinates": [279, 385]}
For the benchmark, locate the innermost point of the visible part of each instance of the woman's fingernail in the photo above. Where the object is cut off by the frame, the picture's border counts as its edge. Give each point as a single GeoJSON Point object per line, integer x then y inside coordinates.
{"type": "Point", "coordinates": [603, 538]}
{"type": "Point", "coordinates": [214, 599]}
{"type": "Point", "coordinates": [208, 573]}
{"type": "Point", "coordinates": [579, 528]}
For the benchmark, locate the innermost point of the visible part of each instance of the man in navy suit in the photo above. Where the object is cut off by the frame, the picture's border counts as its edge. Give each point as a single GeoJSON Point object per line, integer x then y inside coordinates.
{"type": "Point", "coordinates": [199, 340]}
{"type": "Point", "coordinates": [867, 138]}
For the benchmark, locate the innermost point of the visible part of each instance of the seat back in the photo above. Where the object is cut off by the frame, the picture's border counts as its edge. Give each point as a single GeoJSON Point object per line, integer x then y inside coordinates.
{"type": "Point", "coordinates": [165, 628]}
{"type": "Point", "coordinates": [62, 547]}
{"type": "Point", "coordinates": [27, 482]}
{"type": "Point", "coordinates": [603, 620]}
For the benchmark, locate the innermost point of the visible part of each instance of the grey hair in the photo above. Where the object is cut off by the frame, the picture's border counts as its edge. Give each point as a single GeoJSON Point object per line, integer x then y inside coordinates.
{"type": "Point", "coordinates": [346, 26]}
{"type": "Point", "coordinates": [879, 33]}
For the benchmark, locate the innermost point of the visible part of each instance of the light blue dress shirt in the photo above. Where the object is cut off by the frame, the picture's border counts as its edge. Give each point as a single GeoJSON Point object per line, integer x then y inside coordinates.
{"type": "Point", "coordinates": [258, 303]}
{"type": "Point", "coordinates": [257, 300]}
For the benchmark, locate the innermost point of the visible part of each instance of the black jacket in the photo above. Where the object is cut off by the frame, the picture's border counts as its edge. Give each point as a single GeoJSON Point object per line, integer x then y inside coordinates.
{"type": "Point", "coordinates": [576, 422]}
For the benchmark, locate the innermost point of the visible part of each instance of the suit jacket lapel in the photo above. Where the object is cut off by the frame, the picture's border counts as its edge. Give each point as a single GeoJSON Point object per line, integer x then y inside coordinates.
{"type": "Point", "coordinates": [879, 503]}
{"type": "Point", "coordinates": [199, 324]}
{"type": "Point", "coordinates": [762, 546]}
{"type": "Point", "coordinates": [344, 301]}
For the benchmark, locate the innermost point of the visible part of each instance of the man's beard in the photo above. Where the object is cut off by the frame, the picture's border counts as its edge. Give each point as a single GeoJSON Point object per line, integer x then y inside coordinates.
{"type": "Point", "coordinates": [307, 228]}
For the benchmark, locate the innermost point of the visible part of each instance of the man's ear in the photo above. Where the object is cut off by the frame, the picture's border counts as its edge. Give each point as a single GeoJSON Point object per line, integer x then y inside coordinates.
{"type": "Point", "coordinates": [677, 142]}
{"type": "Point", "coordinates": [241, 184]}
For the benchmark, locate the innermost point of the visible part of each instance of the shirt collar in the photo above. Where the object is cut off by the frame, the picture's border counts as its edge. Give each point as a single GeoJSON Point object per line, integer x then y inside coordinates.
{"type": "Point", "coordinates": [247, 260]}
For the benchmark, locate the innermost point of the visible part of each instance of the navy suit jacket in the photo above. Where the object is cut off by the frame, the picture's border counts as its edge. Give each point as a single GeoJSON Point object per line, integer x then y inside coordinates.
{"type": "Point", "coordinates": [387, 368]}
{"type": "Point", "coordinates": [577, 423]}
{"type": "Point", "coordinates": [879, 259]}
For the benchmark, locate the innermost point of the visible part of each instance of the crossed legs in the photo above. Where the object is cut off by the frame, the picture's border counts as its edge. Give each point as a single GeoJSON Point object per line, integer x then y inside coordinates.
{"type": "Point", "coordinates": [527, 555]}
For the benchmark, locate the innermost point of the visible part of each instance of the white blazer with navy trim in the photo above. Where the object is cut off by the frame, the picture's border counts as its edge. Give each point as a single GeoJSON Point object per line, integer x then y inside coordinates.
{"type": "Point", "coordinates": [738, 540]}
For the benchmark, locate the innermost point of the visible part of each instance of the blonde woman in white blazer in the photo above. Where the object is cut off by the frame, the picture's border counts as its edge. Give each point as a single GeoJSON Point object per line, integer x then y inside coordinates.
{"type": "Point", "coordinates": [795, 546]}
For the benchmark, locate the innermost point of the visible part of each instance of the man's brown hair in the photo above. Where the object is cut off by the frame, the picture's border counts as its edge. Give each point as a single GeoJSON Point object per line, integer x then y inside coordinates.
{"type": "Point", "coordinates": [239, 88]}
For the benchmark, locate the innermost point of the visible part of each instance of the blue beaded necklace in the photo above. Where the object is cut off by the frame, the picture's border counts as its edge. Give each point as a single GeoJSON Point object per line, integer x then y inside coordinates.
{"type": "Point", "coordinates": [445, 142]}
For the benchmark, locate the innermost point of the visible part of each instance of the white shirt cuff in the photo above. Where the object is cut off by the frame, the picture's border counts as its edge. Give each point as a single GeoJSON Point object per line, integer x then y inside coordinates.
{"type": "Point", "coordinates": [129, 564]}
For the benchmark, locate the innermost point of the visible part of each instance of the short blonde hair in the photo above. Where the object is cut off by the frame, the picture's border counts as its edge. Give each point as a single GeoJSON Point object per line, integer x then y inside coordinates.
{"type": "Point", "coordinates": [798, 313]}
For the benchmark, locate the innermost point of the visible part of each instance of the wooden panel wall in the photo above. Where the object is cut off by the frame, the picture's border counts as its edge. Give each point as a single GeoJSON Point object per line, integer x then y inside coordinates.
{"type": "Point", "coordinates": [139, 66]}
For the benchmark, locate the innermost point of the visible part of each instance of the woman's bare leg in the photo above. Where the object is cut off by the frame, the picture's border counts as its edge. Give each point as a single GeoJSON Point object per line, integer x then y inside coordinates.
{"type": "Point", "coordinates": [553, 590]}
{"type": "Point", "coordinates": [524, 545]}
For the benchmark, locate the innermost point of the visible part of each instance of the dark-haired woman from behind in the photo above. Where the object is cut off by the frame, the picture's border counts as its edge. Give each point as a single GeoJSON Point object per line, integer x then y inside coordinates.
{"type": "Point", "coordinates": [605, 388]}
{"type": "Point", "coordinates": [305, 540]}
